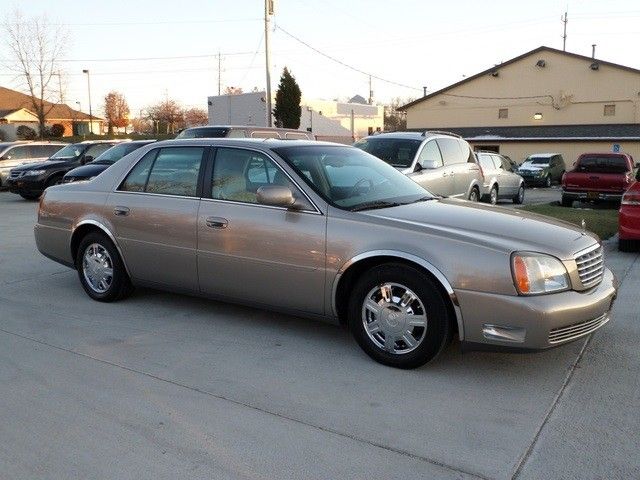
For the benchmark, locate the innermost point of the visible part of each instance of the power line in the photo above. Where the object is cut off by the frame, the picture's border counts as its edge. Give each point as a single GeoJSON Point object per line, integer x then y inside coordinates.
{"type": "Point", "coordinates": [333, 59]}
{"type": "Point", "coordinates": [164, 22]}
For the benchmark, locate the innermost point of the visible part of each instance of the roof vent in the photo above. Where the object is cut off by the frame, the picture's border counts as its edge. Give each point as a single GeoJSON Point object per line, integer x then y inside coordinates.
{"type": "Point", "coordinates": [495, 73]}
{"type": "Point", "coordinates": [594, 66]}
{"type": "Point", "coordinates": [541, 63]}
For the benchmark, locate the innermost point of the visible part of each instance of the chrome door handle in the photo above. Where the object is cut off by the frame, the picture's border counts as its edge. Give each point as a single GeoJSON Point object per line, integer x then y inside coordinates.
{"type": "Point", "coordinates": [216, 222]}
{"type": "Point", "coordinates": [121, 211]}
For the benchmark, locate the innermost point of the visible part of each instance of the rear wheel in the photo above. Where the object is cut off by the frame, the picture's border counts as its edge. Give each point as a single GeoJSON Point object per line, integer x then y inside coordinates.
{"type": "Point", "coordinates": [519, 198]}
{"type": "Point", "coordinates": [398, 316]}
{"type": "Point", "coordinates": [567, 202]}
{"type": "Point", "coordinates": [100, 268]}
{"type": "Point", "coordinates": [474, 195]}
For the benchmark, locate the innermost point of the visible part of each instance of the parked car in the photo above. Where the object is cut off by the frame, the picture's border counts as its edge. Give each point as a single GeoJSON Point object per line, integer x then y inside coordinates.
{"type": "Point", "coordinates": [441, 162]}
{"type": "Point", "coordinates": [244, 131]}
{"type": "Point", "coordinates": [13, 154]}
{"type": "Point", "coordinates": [328, 231]}
{"type": "Point", "coordinates": [29, 181]}
{"type": "Point", "coordinates": [542, 169]}
{"type": "Point", "coordinates": [598, 177]}
{"type": "Point", "coordinates": [629, 217]}
{"type": "Point", "coordinates": [103, 161]}
{"type": "Point", "coordinates": [499, 179]}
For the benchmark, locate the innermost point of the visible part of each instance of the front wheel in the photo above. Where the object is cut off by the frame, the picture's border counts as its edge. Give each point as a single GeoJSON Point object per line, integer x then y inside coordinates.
{"type": "Point", "coordinates": [474, 195]}
{"type": "Point", "coordinates": [547, 181]}
{"type": "Point", "coordinates": [30, 196]}
{"type": "Point", "coordinates": [493, 195]}
{"type": "Point", "coordinates": [398, 316]}
{"type": "Point", "coordinates": [566, 202]}
{"type": "Point", "coordinates": [519, 198]}
{"type": "Point", "coordinates": [100, 268]}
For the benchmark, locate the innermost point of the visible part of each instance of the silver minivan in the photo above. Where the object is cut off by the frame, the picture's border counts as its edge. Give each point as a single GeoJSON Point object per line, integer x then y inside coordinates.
{"type": "Point", "coordinates": [500, 180]}
{"type": "Point", "coordinates": [441, 162]}
{"type": "Point", "coordinates": [244, 131]}
{"type": "Point", "coordinates": [13, 154]}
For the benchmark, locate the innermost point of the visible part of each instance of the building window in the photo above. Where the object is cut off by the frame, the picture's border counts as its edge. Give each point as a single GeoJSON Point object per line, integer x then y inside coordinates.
{"type": "Point", "coordinates": [503, 113]}
{"type": "Point", "coordinates": [609, 110]}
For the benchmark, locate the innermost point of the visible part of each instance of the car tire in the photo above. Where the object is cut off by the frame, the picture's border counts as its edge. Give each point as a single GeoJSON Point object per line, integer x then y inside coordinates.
{"type": "Point", "coordinates": [95, 257]}
{"type": "Point", "coordinates": [410, 345]}
{"type": "Point", "coordinates": [30, 196]}
{"type": "Point", "coordinates": [55, 180]}
{"type": "Point", "coordinates": [474, 195]}
{"type": "Point", "coordinates": [566, 202]}
{"type": "Point", "coordinates": [493, 195]}
{"type": "Point", "coordinates": [627, 245]}
{"type": "Point", "coordinates": [547, 181]}
{"type": "Point", "coordinates": [519, 198]}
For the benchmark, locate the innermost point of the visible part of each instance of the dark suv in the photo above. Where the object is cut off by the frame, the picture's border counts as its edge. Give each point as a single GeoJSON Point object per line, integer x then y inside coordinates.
{"type": "Point", "coordinates": [542, 169]}
{"type": "Point", "coordinates": [441, 162]}
{"type": "Point", "coordinates": [29, 181]}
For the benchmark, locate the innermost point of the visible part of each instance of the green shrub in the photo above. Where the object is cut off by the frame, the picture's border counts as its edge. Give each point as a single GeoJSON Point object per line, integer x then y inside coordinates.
{"type": "Point", "coordinates": [26, 133]}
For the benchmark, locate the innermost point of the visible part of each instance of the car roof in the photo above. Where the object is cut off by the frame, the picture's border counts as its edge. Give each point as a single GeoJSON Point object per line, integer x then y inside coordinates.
{"type": "Point", "coordinates": [262, 143]}
{"type": "Point", "coordinates": [542, 155]}
{"type": "Point", "coordinates": [413, 135]}
{"type": "Point", "coordinates": [250, 127]}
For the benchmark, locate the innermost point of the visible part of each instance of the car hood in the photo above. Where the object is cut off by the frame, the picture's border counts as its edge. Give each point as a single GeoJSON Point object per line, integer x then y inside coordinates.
{"type": "Point", "coordinates": [90, 170]}
{"type": "Point", "coordinates": [42, 165]}
{"type": "Point", "coordinates": [493, 227]}
{"type": "Point", "coordinates": [532, 168]}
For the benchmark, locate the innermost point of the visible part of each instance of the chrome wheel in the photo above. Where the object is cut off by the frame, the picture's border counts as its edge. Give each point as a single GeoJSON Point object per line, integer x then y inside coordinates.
{"type": "Point", "coordinates": [394, 318]}
{"type": "Point", "coordinates": [521, 194]}
{"type": "Point", "coordinates": [97, 268]}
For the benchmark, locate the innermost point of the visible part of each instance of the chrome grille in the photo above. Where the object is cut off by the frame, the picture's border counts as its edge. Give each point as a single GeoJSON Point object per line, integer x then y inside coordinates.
{"type": "Point", "coordinates": [15, 174]}
{"type": "Point", "coordinates": [570, 332]}
{"type": "Point", "coordinates": [591, 267]}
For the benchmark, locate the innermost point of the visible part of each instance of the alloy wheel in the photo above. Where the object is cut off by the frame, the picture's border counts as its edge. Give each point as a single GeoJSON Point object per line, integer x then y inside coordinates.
{"type": "Point", "coordinates": [97, 268]}
{"type": "Point", "coordinates": [394, 318]}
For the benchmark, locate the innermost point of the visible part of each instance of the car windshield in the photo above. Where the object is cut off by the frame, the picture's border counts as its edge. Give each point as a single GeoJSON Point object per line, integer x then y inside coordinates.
{"type": "Point", "coordinates": [70, 151]}
{"type": "Point", "coordinates": [351, 179]}
{"type": "Point", "coordinates": [397, 152]}
{"type": "Point", "coordinates": [215, 132]}
{"type": "Point", "coordinates": [603, 164]}
{"type": "Point", "coordinates": [537, 161]}
{"type": "Point", "coordinates": [116, 152]}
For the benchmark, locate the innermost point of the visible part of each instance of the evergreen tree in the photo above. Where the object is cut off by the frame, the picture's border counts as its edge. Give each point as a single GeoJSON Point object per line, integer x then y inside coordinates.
{"type": "Point", "coordinates": [287, 111]}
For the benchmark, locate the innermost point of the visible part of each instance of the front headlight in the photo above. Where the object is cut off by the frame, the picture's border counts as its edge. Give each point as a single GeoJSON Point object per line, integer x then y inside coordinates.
{"type": "Point", "coordinates": [34, 173]}
{"type": "Point", "coordinates": [536, 273]}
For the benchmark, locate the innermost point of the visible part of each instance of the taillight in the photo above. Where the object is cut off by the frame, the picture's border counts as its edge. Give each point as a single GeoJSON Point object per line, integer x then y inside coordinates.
{"type": "Point", "coordinates": [628, 177]}
{"type": "Point", "coordinates": [631, 198]}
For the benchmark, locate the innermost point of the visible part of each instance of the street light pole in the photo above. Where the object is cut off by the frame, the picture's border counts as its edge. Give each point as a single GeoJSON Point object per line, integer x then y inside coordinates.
{"type": "Point", "coordinates": [90, 112]}
{"type": "Point", "coordinates": [268, 11]}
{"type": "Point", "coordinates": [76, 120]}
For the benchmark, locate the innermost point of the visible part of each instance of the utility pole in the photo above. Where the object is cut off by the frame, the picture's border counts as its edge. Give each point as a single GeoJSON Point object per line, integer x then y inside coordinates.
{"type": "Point", "coordinates": [564, 19]}
{"type": "Point", "coordinates": [60, 87]}
{"type": "Point", "coordinates": [268, 11]}
{"type": "Point", "coordinates": [370, 91]}
{"type": "Point", "coordinates": [90, 112]}
{"type": "Point", "coordinates": [219, 72]}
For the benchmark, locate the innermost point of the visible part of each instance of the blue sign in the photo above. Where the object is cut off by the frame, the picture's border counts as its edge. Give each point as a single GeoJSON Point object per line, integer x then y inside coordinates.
{"type": "Point", "coordinates": [616, 148]}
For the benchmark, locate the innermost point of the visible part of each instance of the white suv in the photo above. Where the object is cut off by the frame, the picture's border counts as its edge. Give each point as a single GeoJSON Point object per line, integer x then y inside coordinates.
{"type": "Point", "coordinates": [441, 162]}
{"type": "Point", "coordinates": [13, 154]}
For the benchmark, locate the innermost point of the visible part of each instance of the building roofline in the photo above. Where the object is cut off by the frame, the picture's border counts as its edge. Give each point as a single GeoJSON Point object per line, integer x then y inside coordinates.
{"type": "Point", "coordinates": [513, 60]}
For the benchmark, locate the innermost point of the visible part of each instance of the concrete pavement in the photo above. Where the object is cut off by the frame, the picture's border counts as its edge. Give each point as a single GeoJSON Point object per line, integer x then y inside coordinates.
{"type": "Point", "coordinates": [167, 386]}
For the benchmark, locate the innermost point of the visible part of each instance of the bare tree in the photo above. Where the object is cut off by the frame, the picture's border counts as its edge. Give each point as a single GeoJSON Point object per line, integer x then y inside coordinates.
{"type": "Point", "coordinates": [233, 91]}
{"type": "Point", "coordinates": [166, 116]}
{"type": "Point", "coordinates": [37, 46]}
{"type": "Point", "coordinates": [394, 119]}
{"type": "Point", "coordinates": [194, 117]}
{"type": "Point", "coordinates": [116, 110]}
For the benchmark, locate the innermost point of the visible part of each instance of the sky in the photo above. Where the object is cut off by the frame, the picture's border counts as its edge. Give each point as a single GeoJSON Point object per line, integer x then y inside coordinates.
{"type": "Point", "coordinates": [152, 50]}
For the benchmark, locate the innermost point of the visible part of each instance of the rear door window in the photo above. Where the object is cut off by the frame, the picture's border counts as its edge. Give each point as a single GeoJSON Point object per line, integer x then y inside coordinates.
{"type": "Point", "coordinates": [176, 171]}
{"type": "Point", "coordinates": [485, 161]}
{"type": "Point", "coordinates": [20, 152]}
{"type": "Point", "coordinates": [264, 134]}
{"type": "Point", "coordinates": [451, 151]}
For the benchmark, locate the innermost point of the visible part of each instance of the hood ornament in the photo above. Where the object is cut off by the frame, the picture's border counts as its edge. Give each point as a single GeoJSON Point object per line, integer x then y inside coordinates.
{"type": "Point", "coordinates": [583, 223]}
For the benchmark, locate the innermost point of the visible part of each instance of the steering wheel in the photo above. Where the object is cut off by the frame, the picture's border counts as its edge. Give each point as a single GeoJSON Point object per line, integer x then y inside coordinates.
{"type": "Point", "coordinates": [357, 185]}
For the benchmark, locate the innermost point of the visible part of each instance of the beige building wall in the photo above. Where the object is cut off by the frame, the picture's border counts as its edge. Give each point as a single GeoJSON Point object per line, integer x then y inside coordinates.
{"type": "Point", "coordinates": [365, 116]}
{"type": "Point", "coordinates": [567, 91]}
{"type": "Point", "coordinates": [570, 151]}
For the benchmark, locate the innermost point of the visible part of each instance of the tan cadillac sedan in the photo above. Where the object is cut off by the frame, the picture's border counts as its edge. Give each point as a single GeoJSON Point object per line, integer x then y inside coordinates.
{"type": "Point", "coordinates": [326, 230]}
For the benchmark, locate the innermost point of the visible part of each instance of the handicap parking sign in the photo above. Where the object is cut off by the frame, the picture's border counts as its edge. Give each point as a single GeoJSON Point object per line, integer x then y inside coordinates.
{"type": "Point", "coordinates": [615, 148]}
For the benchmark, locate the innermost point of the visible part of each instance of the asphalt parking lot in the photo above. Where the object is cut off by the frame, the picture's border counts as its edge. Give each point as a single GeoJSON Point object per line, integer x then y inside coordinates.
{"type": "Point", "coordinates": [162, 386]}
{"type": "Point", "coordinates": [534, 195]}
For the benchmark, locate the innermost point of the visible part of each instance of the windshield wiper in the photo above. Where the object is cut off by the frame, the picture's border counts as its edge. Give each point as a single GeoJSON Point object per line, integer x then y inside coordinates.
{"type": "Point", "coordinates": [375, 204]}
{"type": "Point", "coordinates": [425, 199]}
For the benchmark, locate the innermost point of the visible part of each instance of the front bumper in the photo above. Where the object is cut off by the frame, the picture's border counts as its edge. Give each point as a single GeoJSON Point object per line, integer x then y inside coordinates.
{"type": "Point", "coordinates": [536, 322]}
{"type": "Point", "coordinates": [592, 195]}
{"type": "Point", "coordinates": [28, 185]}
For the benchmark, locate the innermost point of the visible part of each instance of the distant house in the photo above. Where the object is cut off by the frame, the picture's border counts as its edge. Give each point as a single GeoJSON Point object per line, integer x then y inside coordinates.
{"type": "Point", "coordinates": [16, 109]}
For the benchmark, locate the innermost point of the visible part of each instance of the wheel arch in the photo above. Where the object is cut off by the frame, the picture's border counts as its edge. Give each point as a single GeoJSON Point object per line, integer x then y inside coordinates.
{"type": "Point", "coordinates": [356, 266]}
{"type": "Point", "coordinates": [87, 226]}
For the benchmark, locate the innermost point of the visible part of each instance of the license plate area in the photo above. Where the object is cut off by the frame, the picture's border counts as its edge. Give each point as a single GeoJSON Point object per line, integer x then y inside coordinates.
{"type": "Point", "coordinates": [593, 195]}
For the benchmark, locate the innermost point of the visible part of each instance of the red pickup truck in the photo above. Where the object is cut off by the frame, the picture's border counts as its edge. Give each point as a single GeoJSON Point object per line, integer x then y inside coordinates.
{"type": "Point", "coordinates": [598, 176]}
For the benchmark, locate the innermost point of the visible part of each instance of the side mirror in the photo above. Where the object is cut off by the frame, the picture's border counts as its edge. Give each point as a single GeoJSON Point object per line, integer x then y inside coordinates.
{"type": "Point", "coordinates": [418, 167]}
{"type": "Point", "coordinates": [276, 196]}
{"type": "Point", "coordinates": [430, 164]}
